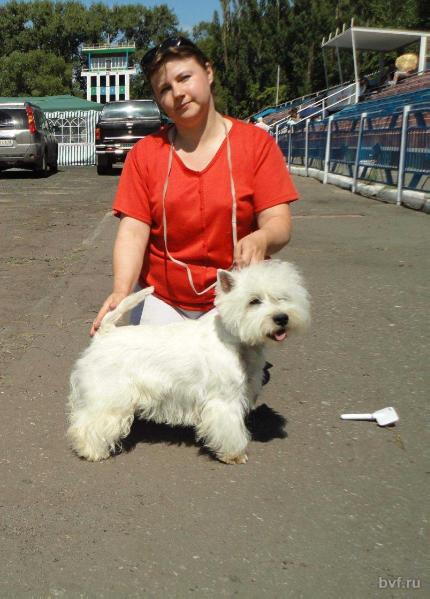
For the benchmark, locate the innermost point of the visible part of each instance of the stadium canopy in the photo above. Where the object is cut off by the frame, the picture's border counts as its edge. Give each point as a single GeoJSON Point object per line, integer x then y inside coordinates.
{"type": "Point", "coordinates": [65, 103]}
{"type": "Point", "coordinates": [377, 40]}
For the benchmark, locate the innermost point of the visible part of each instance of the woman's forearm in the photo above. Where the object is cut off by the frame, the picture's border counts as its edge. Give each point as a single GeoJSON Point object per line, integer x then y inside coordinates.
{"type": "Point", "coordinates": [273, 233]}
{"type": "Point", "coordinates": [275, 223]}
{"type": "Point", "coordinates": [129, 250]}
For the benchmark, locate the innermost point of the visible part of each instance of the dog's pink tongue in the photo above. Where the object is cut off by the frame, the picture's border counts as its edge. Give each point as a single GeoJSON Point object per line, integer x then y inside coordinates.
{"type": "Point", "coordinates": [280, 336]}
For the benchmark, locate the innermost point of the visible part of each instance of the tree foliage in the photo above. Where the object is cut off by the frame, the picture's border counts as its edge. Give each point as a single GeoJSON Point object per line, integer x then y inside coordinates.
{"type": "Point", "coordinates": [40, 41]}
{"type": "Point", "coordinates": [250, 38]}
{"type": "Point", "coordinates": [34, 73]}
{"type": "Point", "coordinates": [247, 41]}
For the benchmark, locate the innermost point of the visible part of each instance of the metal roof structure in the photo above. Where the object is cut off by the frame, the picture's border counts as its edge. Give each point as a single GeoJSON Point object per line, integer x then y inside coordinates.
{"type": "Point", "coordinates": [107, 48]}
{"type": "Point", "coordinates": [56, 103]}
{"type": "Point", "coordinates": [377, 40]}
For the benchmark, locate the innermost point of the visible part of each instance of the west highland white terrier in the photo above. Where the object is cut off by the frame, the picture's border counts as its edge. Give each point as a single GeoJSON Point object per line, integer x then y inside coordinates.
{"type": "Point", "coordinates": [204, 373]}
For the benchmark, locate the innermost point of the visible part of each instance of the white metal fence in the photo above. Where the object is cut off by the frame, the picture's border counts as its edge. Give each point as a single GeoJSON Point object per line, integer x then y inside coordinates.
{"type": "Point", "coordinates": [390, 146]}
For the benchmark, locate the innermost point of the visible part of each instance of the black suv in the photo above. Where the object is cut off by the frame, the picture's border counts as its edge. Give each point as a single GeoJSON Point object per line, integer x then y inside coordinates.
{"type": "Point", "coordinates": [26, 138]}
{"type": "Point", "coordinates": [121, 125]}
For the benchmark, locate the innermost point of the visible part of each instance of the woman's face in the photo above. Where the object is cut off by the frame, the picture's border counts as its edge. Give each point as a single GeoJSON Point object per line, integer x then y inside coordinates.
{"type": "Point", "coordinates": [182, 88]}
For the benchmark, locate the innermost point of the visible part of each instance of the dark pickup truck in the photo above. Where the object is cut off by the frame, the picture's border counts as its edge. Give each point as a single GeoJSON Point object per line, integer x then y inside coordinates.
{"type": "Point", "coordinates": [120, 126]}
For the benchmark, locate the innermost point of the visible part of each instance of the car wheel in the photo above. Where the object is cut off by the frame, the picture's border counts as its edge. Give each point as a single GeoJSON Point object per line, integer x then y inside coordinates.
{"type": "Point", "coordinates": [42, 167]}
{"type": "Point", "coordinates": [104, 164]}
{"type": "Point", "coordinates": [53, 167]}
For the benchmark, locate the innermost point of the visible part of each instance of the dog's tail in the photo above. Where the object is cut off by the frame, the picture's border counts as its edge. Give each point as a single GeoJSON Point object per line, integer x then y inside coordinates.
{"type": "Point", "coordinates": [128, 303]}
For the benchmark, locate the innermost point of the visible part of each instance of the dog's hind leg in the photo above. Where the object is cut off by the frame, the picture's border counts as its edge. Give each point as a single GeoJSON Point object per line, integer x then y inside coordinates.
{"type": "Point", "coordinates": [223, 430]}
{"type": "Point", "coordinates": [97, 422]}
{"type": "Point", "coordinates": [94, 435]}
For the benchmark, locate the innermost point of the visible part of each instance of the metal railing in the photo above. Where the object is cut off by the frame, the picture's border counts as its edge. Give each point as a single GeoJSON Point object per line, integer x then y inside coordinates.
{"type": "Point", "coordinates": [109, 46]}
{"type": "Point", "coordinates": [342, 96]}
{"type": "Point", "coordinates": [386, 146]}
{"type": "Point", "coordinates": [110, 69]}
{"type": "Point", "coordinates": [339, 97]}
{"type": "Point", "coordinates": [301, 99]}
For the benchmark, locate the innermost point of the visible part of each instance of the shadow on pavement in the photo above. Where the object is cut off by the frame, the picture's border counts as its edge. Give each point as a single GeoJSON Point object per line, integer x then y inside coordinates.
{"type": "Point", "coordinates": [26, 174]}
{"type": "Point", "coordinates": [263, 423]}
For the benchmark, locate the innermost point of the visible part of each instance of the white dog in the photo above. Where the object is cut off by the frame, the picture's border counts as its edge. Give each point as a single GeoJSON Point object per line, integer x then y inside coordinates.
{"type": "Point", "coordinates": [206, 373]}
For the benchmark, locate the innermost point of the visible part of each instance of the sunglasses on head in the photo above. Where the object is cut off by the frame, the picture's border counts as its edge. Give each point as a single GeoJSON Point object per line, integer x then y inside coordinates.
{"type": "Point", "coordinates": [170, 42]}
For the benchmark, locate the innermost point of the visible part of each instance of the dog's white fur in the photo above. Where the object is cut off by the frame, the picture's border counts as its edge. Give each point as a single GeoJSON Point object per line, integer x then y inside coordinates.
{"type": "Point", "coordinates": [205, 373]}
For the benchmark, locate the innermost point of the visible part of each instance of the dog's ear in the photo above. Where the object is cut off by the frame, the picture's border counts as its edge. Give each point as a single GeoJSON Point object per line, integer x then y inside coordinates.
{"type": "Point", "coordinates": [226, 280]}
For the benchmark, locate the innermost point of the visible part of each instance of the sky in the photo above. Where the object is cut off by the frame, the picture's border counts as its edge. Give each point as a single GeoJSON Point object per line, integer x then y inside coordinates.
{"type": "Point", "coordinates": [189, 12]}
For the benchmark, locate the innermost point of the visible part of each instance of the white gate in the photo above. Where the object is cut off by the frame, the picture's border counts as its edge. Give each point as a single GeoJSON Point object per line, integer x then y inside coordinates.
{"type": "Point", "coordinates": [75, 133]}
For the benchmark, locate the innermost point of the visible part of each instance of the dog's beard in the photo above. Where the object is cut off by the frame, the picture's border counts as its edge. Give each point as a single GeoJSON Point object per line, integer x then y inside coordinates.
{"type": "Point", "coordinates": [254, 326]}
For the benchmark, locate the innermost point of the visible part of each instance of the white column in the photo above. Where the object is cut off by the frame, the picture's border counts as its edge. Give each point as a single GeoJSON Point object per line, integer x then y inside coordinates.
{"type": "Point", "coordinates": [325, 67]}
{"type": "Point", "coordinates": [357, 152]}
{"type": "Point", "coordinates": [354, 54]}
{"type": "Point", "coordinates": [127, 86]}
{"type": "Point", "coordinates": [98, 88]}
{"type": "Point", "coordinates": [423, 54]}
{"type": "Point", "coordinates": [88, 84]}
{"type": "Point", "coordinates": [107, 88]}
{"type": "Point", "coordinates": [402, 154]}
{"type": "Point", "coordinates": [327, 150]}
{"type": "Point", "coordinates": [117, 87]}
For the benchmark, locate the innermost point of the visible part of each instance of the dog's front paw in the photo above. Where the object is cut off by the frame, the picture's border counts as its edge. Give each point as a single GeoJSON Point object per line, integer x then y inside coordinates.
{"type": "Point", "coordinates": [238, 459]}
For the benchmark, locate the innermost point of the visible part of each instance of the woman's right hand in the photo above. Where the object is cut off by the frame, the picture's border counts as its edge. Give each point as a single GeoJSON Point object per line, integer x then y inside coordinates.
{"type": "Point", "coordinates": [129, 250]}
{"type": "Point", "coordinates": [110, 304]}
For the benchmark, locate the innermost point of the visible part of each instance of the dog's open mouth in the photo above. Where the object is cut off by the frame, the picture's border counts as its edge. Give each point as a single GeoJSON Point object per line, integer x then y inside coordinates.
{"type": "Point", "coordinates": [278, 335]}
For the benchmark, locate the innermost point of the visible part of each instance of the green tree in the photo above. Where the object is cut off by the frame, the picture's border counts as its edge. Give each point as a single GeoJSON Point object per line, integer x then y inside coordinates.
{"type": "Point", "coordinates": [43, 25]}
{"type": "Point", "coordinates": [246, 42]}
{"type": "Point", "coordinates": [58, 29]}
{"type": "Point", "coordinates": [246, 46]}
{"type": "Point", "coordinates": [34, 73]}
{"type": "Point", "coordinates": [252, 37]}
{"type": "Point", "coordinates": [146, 27]}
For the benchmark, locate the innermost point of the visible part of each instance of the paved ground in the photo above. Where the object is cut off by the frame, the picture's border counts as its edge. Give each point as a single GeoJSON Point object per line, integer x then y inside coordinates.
{"type": "Point", "coordinates": [323, 508]}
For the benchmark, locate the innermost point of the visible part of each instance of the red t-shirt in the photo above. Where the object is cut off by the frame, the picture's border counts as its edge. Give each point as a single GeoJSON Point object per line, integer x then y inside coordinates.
{"type": "Point", "coordinates": [199, 207]}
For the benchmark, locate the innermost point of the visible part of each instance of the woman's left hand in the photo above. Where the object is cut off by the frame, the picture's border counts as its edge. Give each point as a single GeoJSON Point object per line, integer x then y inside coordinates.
{"type": "Point", "coordinates": [273, 233]}
{"type": "Point", "coordinates": [251, 249]}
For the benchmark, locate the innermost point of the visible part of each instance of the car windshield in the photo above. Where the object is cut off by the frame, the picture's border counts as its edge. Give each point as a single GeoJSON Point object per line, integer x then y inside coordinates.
{"type": "Point", "coordinates": [13, 118]}
{"type": "Point", "coordinates": [115, 110]}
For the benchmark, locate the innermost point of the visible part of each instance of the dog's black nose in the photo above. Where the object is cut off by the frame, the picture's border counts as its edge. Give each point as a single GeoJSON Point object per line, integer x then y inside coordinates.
{"type": "Point", "coordinates": [281, 319]}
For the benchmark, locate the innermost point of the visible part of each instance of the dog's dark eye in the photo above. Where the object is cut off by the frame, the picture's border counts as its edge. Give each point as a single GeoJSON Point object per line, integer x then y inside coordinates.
{"type": "Point", "coordinates": [255, 301]}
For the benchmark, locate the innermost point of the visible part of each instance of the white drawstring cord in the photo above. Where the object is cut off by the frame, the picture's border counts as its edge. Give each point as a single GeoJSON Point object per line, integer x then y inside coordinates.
{"type": "Point", "coordinates": [233, 212]}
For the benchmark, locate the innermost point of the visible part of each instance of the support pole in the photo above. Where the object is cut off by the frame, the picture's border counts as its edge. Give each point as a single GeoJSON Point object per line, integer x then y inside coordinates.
{"type": "Point", "coordinates": [88, 84]}
{"type": "Point", "coordinates": [357, 152]}
{"type": "Point", "coordinates": [327, 150]}
{"type": "Point", "coordinates": [402, 156]}
{"type": "Point", "coordinates": [307, 146]}
{"type": "Point", "coordinates": [354, 55]}
{"type": "Point", "coordinates": [98, 89]}
{"type": "Point", "coordinates": [339, 64]}
{"type": "Point", "coordinates": [289, 145]}
{"type": "Point", "coordinates": [325, 67]}
{"type": "Point", "coordinates": [117, 87]}
{"type": "Point", "coordinates": [381, 68]}
{"type": "Point", "coordinates": [423, 53]}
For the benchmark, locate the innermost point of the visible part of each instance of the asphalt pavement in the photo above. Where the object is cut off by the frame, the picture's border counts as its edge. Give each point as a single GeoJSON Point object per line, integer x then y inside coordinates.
{"type": "Point", "coordinates": [324, 508]}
